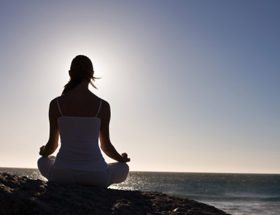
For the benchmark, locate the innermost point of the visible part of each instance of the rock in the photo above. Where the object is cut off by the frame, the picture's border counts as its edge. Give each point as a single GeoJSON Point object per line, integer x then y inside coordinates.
{"type": "Point", "coordinates": [20, 195]}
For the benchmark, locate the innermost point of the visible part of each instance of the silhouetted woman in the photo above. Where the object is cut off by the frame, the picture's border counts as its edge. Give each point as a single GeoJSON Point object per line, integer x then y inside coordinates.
{"type": "Point", "coordinates": [79, 117]}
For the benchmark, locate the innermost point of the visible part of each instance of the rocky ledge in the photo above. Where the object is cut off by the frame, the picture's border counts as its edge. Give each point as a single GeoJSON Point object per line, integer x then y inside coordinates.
{"type": "Point", "coordinates": [20, 195]}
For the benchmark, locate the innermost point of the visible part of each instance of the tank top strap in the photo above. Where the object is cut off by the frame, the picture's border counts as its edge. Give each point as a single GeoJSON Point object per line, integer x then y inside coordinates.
{"type": "Point", "coordinates": [99, 108]}
{"type": "Point", "coordinates": [58, 106]}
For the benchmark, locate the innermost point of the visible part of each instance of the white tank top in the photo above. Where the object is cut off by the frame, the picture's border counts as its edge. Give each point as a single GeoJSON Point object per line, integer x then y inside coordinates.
{"type": "Point", "coordinates": [79, 143]}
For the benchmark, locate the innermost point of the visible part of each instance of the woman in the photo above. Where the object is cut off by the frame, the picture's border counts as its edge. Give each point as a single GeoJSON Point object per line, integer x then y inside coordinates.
{"type": "Point", "coordinates": [79, 117]}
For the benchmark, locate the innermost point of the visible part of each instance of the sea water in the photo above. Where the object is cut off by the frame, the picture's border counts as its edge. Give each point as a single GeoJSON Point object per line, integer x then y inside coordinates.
{"type": "Point", "coordinates": [237, 194]}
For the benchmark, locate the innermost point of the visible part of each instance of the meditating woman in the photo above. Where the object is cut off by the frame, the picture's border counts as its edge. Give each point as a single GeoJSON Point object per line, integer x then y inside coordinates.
{"type": "Point", "coordinates": [80, 117]}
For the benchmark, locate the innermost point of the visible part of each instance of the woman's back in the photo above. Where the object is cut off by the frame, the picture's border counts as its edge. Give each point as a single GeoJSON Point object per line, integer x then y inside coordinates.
{"type": "Point", "coordinates": [79, 141]}
{"type": "Point", "coordinates": [79, 103]}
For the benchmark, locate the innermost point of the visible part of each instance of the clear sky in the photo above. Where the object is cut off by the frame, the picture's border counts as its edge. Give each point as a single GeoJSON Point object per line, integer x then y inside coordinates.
{"type": "Point", "coordinates": [193, 85]}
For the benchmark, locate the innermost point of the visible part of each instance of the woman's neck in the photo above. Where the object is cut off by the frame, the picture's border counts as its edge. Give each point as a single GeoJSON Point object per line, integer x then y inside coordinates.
{"type": "Point", "coordinates": [83, 86]}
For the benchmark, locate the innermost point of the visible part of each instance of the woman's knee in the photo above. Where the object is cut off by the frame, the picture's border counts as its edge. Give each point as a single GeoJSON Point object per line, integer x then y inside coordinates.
{"type": "Point", "coordinates": [125, 167]}
{"type": "Point", "coordinates": [44, 164]}
{"type": "Point", "coordinates": [117, 172]}
{"type": "Point", "coordinates": [118, 167]}
{"type": "Point", "coordinates": [41, 162]}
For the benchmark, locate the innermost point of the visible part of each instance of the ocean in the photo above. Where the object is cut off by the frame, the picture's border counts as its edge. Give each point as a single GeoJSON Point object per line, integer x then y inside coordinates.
{"type": "Point", "coordinates": [237, 194]}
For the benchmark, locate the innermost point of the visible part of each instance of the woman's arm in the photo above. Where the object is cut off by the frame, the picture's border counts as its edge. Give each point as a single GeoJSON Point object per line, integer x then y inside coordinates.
{"type": "Point", "coordinates": [52, 144]}
{"type": "Point", "coordinates": [104, 135]}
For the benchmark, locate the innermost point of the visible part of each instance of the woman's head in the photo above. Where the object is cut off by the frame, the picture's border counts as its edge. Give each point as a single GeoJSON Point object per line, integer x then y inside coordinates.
{"type": "Point", "coordinates": [81, 69]}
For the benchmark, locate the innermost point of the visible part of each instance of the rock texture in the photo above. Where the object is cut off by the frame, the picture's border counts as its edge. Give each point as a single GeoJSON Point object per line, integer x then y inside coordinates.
{"type": "Point", "coordinates": [20, 195]}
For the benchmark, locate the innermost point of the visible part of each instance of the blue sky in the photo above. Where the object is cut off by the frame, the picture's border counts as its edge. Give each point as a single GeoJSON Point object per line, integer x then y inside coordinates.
{"type": "Point", "coordinates": [193, 85]}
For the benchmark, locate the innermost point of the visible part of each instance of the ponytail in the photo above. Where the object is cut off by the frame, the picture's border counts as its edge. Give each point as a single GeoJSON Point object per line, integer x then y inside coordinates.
{"type": "Point", "coordinates": [71, 85]}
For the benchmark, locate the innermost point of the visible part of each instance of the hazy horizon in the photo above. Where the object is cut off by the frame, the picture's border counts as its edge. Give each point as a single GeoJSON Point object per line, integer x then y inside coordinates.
{"type": "Point", "coordinates": [253, 173]}
{"type": "Point", "coordinates": [193, 85]}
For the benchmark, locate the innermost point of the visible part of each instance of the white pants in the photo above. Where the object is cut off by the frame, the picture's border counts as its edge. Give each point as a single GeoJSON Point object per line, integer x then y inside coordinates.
{"type": "Point", "coordinates": [115, 173]}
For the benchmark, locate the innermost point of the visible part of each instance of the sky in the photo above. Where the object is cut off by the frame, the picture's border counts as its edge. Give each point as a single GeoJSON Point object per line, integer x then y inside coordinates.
{"type": "Point", "coordinates": [193, 85]}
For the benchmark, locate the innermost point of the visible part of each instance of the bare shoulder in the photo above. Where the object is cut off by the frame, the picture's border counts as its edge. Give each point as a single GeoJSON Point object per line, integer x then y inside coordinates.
{"type": "Point", "coordinates": [105, 105]}
{"type": "Point", "coordinates": [105, 112]}
{"type": "Point", "coordinates": [53, 107]}
{"type": "Point", "coordinates": [53, 103]}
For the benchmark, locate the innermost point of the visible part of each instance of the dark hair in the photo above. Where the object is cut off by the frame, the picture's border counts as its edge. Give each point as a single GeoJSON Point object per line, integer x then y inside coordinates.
{"type": "Point", "coordinates": [81, 69]}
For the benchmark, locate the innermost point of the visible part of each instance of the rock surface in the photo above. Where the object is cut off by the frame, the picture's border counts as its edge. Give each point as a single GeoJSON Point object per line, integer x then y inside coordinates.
{"type": "Point", "coordinates": [20, 195]}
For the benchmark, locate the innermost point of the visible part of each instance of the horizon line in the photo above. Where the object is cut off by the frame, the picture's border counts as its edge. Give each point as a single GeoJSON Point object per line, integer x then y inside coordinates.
{"type": "Point", "coordinates": [198, 172]}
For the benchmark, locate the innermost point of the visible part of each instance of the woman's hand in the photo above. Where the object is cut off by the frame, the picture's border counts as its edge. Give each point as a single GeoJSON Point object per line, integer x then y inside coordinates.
{"type": "Point", "coordinates": [125, 158]}
{"type": "Point", "coordinates": [42, 148]}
